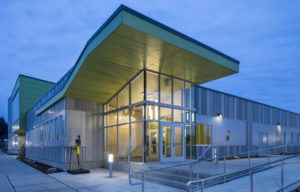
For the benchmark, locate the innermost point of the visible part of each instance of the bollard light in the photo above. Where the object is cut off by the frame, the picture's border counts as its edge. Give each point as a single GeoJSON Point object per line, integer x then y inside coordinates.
{"type": "Point", "coordinates": [110, 163]}
{"type": "Point", "coordinates": [110, 158]}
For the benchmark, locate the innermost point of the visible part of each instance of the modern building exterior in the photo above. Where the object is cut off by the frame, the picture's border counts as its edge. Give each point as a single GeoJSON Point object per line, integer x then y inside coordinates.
{"type": "Point", "coordinates": [135, 83]}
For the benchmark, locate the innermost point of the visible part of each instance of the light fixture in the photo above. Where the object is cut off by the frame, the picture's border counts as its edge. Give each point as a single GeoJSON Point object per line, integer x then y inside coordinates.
{"type": "Point", "coordinates": [110, 158]}
{"type": "Point", "coordinates": [219, 115]}
{"type": "Point", "coordinates": [110, 163]}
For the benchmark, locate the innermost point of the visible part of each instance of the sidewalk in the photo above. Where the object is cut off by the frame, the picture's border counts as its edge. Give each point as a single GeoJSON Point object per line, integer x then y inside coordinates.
{"type": "Point", "coordinates": [17, 176]}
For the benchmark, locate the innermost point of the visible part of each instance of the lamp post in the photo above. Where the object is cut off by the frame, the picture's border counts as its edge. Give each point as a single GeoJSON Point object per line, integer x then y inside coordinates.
{"type": "Point", "coordinates": [110, 163]}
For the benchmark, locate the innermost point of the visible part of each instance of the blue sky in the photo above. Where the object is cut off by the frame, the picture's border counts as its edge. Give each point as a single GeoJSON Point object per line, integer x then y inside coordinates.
{"type": "Point", "coordinates": [43, 39]}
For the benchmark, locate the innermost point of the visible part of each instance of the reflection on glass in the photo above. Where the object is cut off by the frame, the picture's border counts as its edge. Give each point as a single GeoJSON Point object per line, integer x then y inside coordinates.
{"type": "Point", "coordinates": [166, 141]}
{"type": "Point", "coordinates": [178, 92]}
{"type": "Point", "coordinates": [112, 105]}
{"type": "Point", "coordinates": [112, 140]}
{"type": "Point", "coordinates": [178, 115]}
{"type": "Point", "coordinates": [152, 112]}
{"type": "Point", "coordinates": [124, 97]}
{"type": "Point", "coordinates": [187, 94]}
{"type": "Point", "coordinates": [193, 96]}
{"type": "Point", "coordinates": [137, 113]}
{"type": "Point", "coordinates": [152, 86]}
{"type": "Point", "coordinates": [152, 142]}
{"type": "Point", "coordinates": [123, 145]}
{"type": "Point", "coordinates": [165, 90]}
{"type": "Point", "coordinates": [123, 116]}
{"type": "Point", "coordinates": [111, 119]}
{"type": "Point", "coordinates": [137, 140]}
{"type": "Point", "coordinates": [178, 141]}
{"type": "Point", "coordinates": [165, 114]}
{"type": "Point", "coordinates": [190, 138]}
{"type": "Point", "coordinates": [137, 89]}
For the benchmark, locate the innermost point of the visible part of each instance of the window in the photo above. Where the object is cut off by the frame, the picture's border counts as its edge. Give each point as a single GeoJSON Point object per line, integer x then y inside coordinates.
{"type": "Point", "coordinates": [57, 129]}
{"type": "Point", "coordinates": [137, 89]}
{"type": "Point", "coordinates": [227, 135]}
{"type": "Point", "coordinates": [48, 131]}
{"type": "Point", "coordinates": [292, 138]}
{"type": "Point", "coordinates": [190, 94]}
{"type": "Point", "coordinates": [298, 139]}
{"type": "Point", "coordinates": [137, 113]}
{"type": "Point", "coordinates": [123, 144]}
{"type": "Point", "coordinates": [178, 92]}
{"type": "Point", "coordinates": [152, 141]}
{"type": "Point", "coordinates": [190, 139]}
{"type": "Point", "coordinates": [112, 119]}
{"type": "Point", "coordinates": [137, 140]}
{"type": "Point", "coordinates": [62, 127]}
{"type": "Point", "coordinates": [123, 98]}
{"type": "Point", "coordinates": [112, 105]}
{"type": "Point", "coordinates": [203, 134]}
{"type": "Point", "coordinates": [165, 114]}
{"type": "Point", "coordinates": [165, 90]}
{"type": "Point", "coordinates": [178, 115]}
{"type": "Point", "coordinates": [112, 140]}
{"type": "Point", "coordinates": [152, 112]}
{"type": "Point", "coordinates": [123, 116]}
{"type": "Point", "coordinates": [152, 86]}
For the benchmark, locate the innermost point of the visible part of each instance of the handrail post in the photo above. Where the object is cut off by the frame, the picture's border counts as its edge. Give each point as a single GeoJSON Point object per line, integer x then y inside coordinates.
{"type": "Point", "coordinates": [281, 178]}
{"type": "Point", "coordinates": [251, 179]}
{"type": "Point", "coordinates": [249, 155]}
{"type": "Point", "coordinates": [191, 172]}
{"type": "Point", "coordinates": [143, 183]}
{"type": "Point", "coordinates": [202, 186]}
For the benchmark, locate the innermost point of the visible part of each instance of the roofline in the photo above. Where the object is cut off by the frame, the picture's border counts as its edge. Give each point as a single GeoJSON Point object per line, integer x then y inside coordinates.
{"type": "Point", "coordinates": [200, 86]}
{"type": "Point", "coordinates": [163, 26]}
{"type": "Point", "coordinates": [147, 19]}
{"type": "Point", "coordinates": [36, 78]}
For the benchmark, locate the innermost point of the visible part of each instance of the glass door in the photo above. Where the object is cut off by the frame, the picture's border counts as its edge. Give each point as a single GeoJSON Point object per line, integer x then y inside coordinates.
{"type": "Point", "coordinates": [171, 144]}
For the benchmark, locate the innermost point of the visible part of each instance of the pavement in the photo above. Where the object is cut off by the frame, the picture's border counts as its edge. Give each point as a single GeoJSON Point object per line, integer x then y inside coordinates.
{"type": "Point", "coordinates": [17, 176]}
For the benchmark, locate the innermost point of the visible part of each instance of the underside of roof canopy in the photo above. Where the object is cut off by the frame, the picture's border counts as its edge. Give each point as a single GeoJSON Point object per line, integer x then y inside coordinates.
{"type": "Point", "coordinates": [129, 42]}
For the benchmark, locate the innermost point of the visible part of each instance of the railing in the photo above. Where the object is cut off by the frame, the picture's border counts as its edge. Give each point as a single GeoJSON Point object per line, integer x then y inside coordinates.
{"type": "Point", "coordinates": [192, 163]}
{"type": "Point", "coordinates": [129, 166]}
{"type": "Point", "coordinates": [200, 184]}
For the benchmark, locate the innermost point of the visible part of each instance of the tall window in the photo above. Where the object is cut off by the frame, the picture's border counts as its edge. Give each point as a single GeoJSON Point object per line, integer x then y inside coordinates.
{"type": "Point", "coordinates": [137, 89]}
{"type": "Point", "coordinates": [152, 86]}
{"type": "Point", "coordinates": [165, 90]}
{"type": "Point", "coordinates": [292, 138]}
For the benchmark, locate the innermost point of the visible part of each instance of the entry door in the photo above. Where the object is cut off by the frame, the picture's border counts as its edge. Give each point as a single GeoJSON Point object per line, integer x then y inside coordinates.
{"type": "Point", "coordinates": [171, 145]}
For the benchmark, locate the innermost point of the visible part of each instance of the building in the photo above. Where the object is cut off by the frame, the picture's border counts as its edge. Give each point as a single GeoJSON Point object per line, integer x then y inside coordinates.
{"type": "Point", "coordinates": [135, 83]}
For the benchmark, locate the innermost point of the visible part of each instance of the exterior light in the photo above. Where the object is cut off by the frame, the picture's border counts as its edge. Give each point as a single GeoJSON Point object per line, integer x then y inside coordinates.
{"type": "Point", "coordinates": [219, 115]}
{"type": "Point", "coordinates": [110, 158]}
{"type": "Point", "coordinates": [110, 163]}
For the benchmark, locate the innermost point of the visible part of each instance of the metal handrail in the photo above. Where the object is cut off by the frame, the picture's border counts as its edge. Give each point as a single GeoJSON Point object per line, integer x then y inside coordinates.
{"type": "Point", "coordinates": [191, 163]}
{"type": "Point", "coordinates": [129, 156]}
{"type": "Point", "coordinates": [249, 169]}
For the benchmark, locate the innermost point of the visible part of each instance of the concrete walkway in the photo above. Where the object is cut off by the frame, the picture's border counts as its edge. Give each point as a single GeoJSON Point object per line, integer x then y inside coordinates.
{"type": "Point", "coordinates": [17, 176]}
{"type": "Point", "coordinates": [264, 181]}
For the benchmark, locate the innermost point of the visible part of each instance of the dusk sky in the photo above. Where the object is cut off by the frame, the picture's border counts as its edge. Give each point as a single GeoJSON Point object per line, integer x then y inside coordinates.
{"type": "Point", "coordinates": [43, 39]}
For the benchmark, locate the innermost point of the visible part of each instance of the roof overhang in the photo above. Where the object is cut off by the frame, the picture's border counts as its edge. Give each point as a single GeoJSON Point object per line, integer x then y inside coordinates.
{"type": "Point", "coordinates": [129, 42]}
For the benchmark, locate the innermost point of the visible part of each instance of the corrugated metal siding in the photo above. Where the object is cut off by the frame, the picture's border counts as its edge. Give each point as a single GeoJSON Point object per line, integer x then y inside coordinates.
{"type": "Point", "coordinates": [212, 102]}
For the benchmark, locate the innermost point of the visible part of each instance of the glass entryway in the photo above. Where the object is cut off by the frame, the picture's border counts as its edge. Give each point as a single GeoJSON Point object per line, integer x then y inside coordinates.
{"type": "Point", "coordinates": [171, 142]}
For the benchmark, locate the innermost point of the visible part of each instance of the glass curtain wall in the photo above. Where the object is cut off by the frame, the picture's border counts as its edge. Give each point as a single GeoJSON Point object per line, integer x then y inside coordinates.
{"type": "Point", "coordinates": [132, 117]}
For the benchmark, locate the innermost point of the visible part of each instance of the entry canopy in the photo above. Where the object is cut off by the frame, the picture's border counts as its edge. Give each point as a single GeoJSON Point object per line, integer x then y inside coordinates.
{"type": "Point", "coordinates": [129, 42]}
